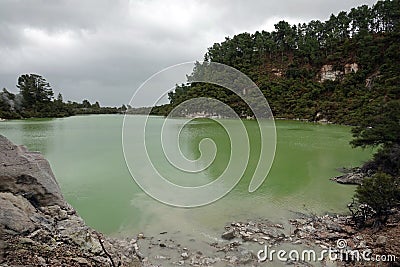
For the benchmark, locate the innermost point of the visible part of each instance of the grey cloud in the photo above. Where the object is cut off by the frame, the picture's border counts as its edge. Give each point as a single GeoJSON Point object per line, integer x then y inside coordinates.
{"type": "Point", "coordinates": [103, 50]}
{"type": "Point", "coordinates": [58, 14]}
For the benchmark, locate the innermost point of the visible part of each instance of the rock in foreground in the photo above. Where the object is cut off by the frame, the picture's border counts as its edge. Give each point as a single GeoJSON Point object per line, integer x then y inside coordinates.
{"type": "Point", "coordinates": [28, 174]}
{"type": "Point", "coordinates": [39, 228]}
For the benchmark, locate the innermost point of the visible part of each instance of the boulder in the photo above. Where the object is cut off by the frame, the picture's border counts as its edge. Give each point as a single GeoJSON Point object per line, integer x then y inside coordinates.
{"type": "Point", "coordinates": [15, 213]}
{"type": "Point", "coordinates": [228, 235]}
{"type": "Point", "coordinates": [355, 177]}
{"type": "Point", "coordinates": [185, 255]}
{"type": "Point", "coordinates": [28, 174]}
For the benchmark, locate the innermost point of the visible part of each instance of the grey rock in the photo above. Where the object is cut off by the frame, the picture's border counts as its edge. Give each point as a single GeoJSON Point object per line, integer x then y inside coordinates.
{"type": "Point", "coordinates": [185, 255]}
{"type": "Point", "coordinates": [2, 245]}
{"type": "Point", "coordinates": [233, 259]}
{"type": "Point", "coordinates": [252, 229]}
{"type": "Point", "coordinates": [272, 232]}
{"type": "Point", "coordinates": [141, 236]}
{"type": "Point", "coordinates": [381, 240]}
{"type": "Point", "coordinates": [56, 211]}
{"type": "Point", "coordinates": [28, 174]}
{"type": "Point", "coordinates": [44, 222]}
{"type": "Point", "coordinates": [356, 177]}
{"type": "Point", "coordinates": [309, 228]}
{"type": "Point", "coordinates": [246, 256]}
{"type": "Point", "coordinates": [26, 241]}
{"type": "Point", "coordinates": [362, 244]}
{"type": "Point", "coordinates": [42, 261]}
{"type": "Point", "coordinates": [228, 235]}
{"type": "Point", "coordinates": [334, 227]}
{"type": "Point", "coordinates": [75, 231]}
{"type": "Point", "coordinates": [15, 214]}
{"type": "Point", "coordinates": [80, 260]}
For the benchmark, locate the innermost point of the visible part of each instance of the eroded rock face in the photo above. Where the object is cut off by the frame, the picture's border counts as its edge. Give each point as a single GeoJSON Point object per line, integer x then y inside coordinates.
{"type": "Point", "coordinates": [350, 68]}
{"type": "Point", "coordinates": [328, 73]}
{"type": "Point", "coordinates": [28, 174]}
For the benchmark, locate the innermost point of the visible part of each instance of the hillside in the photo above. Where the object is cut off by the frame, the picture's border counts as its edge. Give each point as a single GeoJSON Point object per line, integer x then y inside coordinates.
{"type": "Point", "coordinates": [338, 70]}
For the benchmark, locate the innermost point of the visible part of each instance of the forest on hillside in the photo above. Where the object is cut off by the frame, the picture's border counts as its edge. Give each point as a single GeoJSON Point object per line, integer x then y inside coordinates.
{"type": "Point", "coordinates": [338, 70]}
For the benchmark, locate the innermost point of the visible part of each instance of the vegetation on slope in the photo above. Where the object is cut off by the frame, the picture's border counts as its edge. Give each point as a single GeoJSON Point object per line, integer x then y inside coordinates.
{"type": "Point", "coordinates": [338, 70]}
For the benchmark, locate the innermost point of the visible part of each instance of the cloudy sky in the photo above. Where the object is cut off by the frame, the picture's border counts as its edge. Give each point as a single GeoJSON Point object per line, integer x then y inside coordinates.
{"type": "Point", "coordinates": [104, 49]}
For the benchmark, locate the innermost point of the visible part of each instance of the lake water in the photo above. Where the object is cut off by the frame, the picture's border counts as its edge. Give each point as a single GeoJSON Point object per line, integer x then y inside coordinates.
{"type": "Point", "coordinates": [86, 155]}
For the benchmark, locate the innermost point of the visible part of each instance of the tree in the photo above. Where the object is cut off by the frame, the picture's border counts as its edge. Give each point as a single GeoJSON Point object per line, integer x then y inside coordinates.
{"type": "Point", "coordinates": [35, 90]}
{"type": "Point", "coordinates": [96, 105]}
{"type": "Point", "coordinates": [6, 104]}
{"type": "Point", "coordinates": [60, 98]}
{"type": "Point", "coordinates": [361, 19]}
{"type": "Point", "coordinates": [381, 192]}
{"type": "Point", "coordinates": [386, 160]}
{"type": "Point", "coordinates": [380, 126]}
{"type": "Point", "coordinates": [86, 104]}
{"type": "Point", "coordinates": [285, 36]}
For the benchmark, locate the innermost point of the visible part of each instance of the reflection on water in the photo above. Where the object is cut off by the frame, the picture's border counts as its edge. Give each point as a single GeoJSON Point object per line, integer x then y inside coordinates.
{"type": "Point", "coordinates": [86, 155]}
{"type": "Point", "coordinates": [36, 134]}
{"type": "Point", "coordinates": [191, 136]}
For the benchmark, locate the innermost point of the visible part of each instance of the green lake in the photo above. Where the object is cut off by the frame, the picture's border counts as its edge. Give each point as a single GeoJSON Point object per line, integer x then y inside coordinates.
{"type": "Point", "coordinates": [86, 155]}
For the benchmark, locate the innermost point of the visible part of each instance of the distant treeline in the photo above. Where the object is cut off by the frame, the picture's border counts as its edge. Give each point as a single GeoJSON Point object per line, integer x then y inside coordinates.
{"type": "Point", "coordinates": [338, 70]}
{"type": "Point", "coordinates": [36, 100]}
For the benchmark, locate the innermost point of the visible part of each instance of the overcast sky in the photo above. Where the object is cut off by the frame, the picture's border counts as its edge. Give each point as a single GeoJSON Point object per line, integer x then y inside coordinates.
{"type": "Point", "coordinates": [103, 50]}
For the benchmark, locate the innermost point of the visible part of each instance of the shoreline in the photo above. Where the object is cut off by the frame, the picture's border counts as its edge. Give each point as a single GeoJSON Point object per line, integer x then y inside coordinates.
{"type": "Point", "coordinates": [240, 243]}
{"type": "Point", "coordinates": [124, 114]}
{"type": "Point", "coordinates": [39, 228]}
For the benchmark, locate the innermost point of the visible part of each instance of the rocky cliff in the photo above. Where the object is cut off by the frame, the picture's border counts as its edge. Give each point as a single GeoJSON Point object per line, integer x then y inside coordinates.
{"type": "Point", "coordinates": [39, 228]}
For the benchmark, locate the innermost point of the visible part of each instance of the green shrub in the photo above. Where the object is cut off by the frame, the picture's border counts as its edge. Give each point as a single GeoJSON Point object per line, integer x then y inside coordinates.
{"type": "Point", "coordinates": [386, 160]}
{"type": "Point", "coordinates": [381, 192]}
